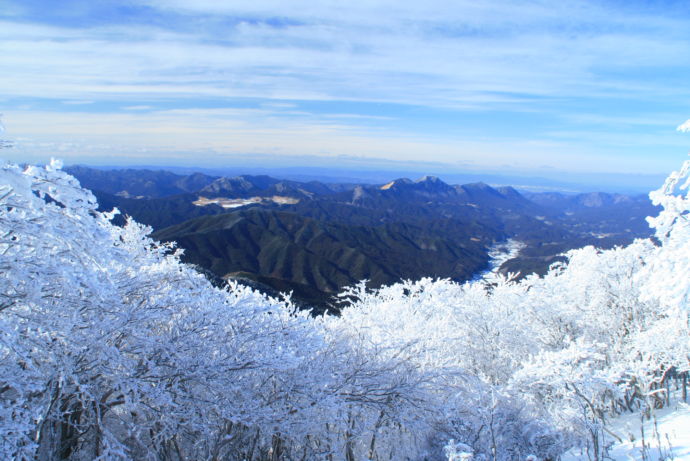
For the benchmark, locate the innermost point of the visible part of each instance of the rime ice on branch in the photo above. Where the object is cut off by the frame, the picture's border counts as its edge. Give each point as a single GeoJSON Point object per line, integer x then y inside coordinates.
{"type": "Point", "coordinates": [110, 348]}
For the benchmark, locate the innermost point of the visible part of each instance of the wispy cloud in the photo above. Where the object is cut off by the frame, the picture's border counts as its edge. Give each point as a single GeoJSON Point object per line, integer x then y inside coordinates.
{"type": "Point", "coordinates": [353, 75]}
{"type": "Point", "coordinates": [383, 52]}
{"type": "Point", "coordinates": [140, 107]}
{"type": "Point", "coordinates": [214, 136]}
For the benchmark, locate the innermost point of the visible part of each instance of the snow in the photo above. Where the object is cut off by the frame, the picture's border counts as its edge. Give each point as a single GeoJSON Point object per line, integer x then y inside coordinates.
{"type": "Point", "coordinates": [499, 253]}
{"type": "Point", "coordinates": [240, 202]}
{"type": "Point", "coordinates": [102, 319]}
{"type": "Point", "coordinates": [226, 202]}
{"type": "Point", "coordinates": [685, 127]}
{"type": "Point", "coordinates": [673, 426]}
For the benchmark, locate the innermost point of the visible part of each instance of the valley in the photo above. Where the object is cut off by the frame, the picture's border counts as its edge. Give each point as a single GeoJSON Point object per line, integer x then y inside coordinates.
{"type": "Point", "coordinates": [313, 239]}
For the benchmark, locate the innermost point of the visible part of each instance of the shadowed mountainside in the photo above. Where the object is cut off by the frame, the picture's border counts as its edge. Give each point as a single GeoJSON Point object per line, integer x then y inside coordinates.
{"type": "Point", "coordinates": [313, 238]}
{"type": "Point", "coordinates": [285, 247]}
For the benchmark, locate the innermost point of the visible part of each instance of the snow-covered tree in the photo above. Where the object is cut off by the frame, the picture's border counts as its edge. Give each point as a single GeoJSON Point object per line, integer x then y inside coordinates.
{"type": "Point", "coordinates": [110, 348]}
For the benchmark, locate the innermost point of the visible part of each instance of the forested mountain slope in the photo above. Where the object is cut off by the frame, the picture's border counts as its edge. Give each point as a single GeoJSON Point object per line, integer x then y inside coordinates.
{"type": "Point", "coordinates": [314, 239]}
{"type": "Point", "coordinates": [286, 247]}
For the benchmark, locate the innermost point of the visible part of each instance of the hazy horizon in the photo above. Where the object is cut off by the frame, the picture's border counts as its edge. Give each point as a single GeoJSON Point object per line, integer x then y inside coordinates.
{"type": "Point", "coordinates": [577, 87]}
{"type": "Point", "coordinates": [380, 172]}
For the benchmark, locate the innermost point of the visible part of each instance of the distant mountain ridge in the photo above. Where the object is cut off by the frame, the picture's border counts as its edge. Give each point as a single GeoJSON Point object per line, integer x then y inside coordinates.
{"type": "Point", "coordinates": [589, 200]}
{"type": "Point", "coordinates": [315, 238]}
{"type": "Point", "coordinates": [147, 184]}
{"type": "Point", "coordinates": [139, 183]}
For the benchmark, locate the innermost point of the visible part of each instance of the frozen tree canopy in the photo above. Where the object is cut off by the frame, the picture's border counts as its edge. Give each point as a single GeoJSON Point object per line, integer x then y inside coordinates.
{"type": "Point", "coordinates": [110, 348]}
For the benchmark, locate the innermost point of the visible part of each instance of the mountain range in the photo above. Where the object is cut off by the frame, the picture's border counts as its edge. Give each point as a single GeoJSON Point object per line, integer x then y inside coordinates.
{"type": "Point", "coordinates": [314, 238]}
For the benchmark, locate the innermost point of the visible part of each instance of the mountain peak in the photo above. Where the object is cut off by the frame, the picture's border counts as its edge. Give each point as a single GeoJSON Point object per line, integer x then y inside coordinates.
{"type": "Point", "coordinates": [430, 179]}
{"type": "Point", "coordinates": [259, 181]}
{"type": "Point", "coordinates": [396, 183]}
{"type": "Point", "coordinates": [426, 186]}
{"type": "Point", "coordinates": [509, 192]}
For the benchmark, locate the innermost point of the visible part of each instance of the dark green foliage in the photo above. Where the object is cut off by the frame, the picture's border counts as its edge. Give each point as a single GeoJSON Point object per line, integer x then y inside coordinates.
{"type": "Point", "coordinates": [302, 252]}
{"type": "Point", "coordinates": [337, 235]}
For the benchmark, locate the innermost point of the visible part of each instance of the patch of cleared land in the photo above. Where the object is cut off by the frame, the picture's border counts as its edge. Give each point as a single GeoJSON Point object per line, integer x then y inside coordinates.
{"type": "Point", "coordinates": [239, 202]}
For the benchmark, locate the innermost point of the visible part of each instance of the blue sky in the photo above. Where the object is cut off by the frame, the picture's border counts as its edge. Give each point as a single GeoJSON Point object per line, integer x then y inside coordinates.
{"type": "Point", "coordinates": [530, 86]}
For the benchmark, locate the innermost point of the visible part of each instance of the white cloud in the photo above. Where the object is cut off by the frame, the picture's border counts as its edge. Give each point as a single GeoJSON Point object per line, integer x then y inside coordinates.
{"type": "Point", "coordinates": [564, 60]}
{"type": "Point", "coordinates": [140, 107]}
{"type": "Point", "coordinates": [443, 54]}
{"type": "Point", "coordinates": [79, 102]}
{"type": "Point", "coordinates": [211, 135]}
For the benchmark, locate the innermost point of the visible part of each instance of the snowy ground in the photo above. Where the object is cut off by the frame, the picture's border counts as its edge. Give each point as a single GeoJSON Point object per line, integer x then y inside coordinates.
{"type": "Point", "coordinates": [673, 427]}
{"type": "Point", "coordinates": [240, 202]}
{"type": "Point", "coordinates": [498, 254]}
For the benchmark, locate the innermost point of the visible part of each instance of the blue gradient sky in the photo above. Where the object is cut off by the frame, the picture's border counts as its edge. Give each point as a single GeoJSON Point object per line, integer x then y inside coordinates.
{"type": "Point", "coordinates": [533, 86]}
